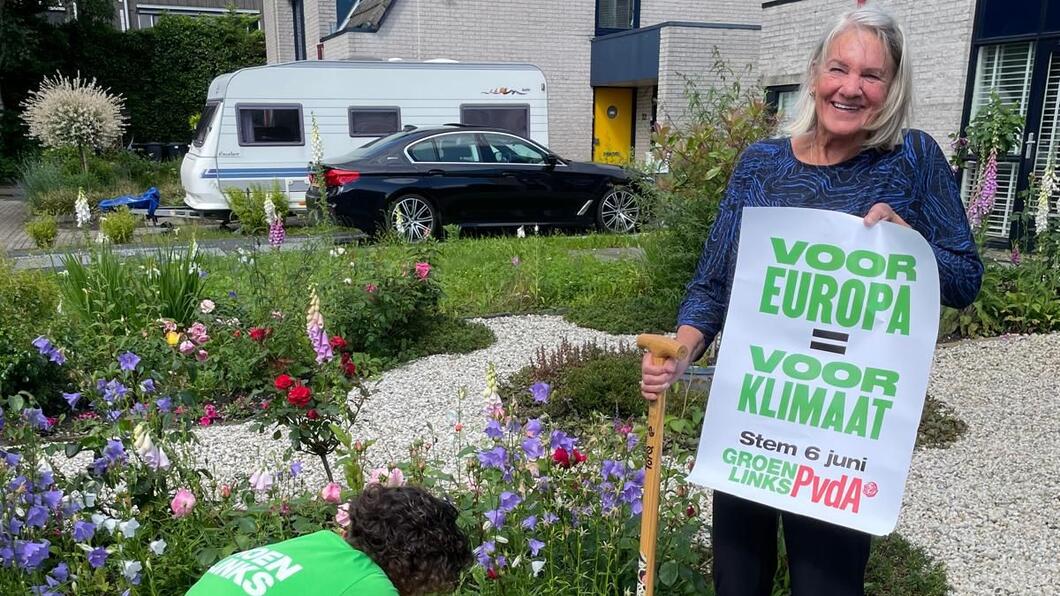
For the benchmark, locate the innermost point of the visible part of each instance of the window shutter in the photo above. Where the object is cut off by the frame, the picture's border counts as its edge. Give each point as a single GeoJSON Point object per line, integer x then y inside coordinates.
{"type": "Point", "coordinates": [1049, 131]}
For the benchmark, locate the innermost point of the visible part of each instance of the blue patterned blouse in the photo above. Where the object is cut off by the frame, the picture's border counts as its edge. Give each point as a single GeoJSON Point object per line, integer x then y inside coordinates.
{"type": "Point", "coordinates": [914, 179]}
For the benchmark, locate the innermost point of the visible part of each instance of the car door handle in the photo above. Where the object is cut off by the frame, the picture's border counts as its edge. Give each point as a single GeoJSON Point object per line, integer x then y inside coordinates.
{"type": "Point", "coordinates": [435, 172]}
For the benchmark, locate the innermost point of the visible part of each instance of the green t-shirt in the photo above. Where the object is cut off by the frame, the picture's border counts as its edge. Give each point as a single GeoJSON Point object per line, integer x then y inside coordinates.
{"type": "Point", "coordinates": [321, 564]}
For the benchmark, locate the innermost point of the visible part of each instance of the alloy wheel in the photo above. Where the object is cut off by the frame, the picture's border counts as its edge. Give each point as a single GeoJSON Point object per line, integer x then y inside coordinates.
{"type": "Point", "coordinates": [619, 211]}
{"type": "Point", "coordinates": [412, 218]}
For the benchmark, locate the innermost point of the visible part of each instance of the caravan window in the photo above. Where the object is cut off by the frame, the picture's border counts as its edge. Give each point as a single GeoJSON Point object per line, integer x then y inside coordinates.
{"type": "Point", "coordinates": [374, 122]}
{"type": "Point", "coordinates": [270, 125]}
{"type": "Point", "coordinates": [507, 117]}
{"type": "Point", "coordinates": [205, 122]}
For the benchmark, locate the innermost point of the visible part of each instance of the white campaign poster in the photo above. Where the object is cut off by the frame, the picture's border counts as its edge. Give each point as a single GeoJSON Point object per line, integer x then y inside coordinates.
{"type": "Point", "coordinates": [823, 366]}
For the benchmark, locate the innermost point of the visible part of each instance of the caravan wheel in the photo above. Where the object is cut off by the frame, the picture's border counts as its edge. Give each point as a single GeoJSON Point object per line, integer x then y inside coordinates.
{"type": "Point", "coordinates": [413, 218]}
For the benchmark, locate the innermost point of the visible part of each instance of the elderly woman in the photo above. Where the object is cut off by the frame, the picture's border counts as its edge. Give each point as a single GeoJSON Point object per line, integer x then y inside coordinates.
{"type": "Point", "coordinates": [849, 151]}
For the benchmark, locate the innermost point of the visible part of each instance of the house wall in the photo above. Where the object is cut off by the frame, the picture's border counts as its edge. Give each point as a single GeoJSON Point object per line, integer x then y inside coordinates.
{"type": "Point", "coordinates": [938, 36]}
{"type": "Point", "coordinates": [642, 123]}
{"type": "Point", "coordinates": [688, 54]}
{"type": "Point", "coordinates": [277, 21]}
{"type": "Point", "coordinates": [653, 12]}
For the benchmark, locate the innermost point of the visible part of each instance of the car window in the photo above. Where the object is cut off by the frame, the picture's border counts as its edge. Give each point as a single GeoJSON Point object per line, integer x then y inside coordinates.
{"type": "Point", "coordinates": [508, 149]}
{"type": "Point", "coordinates": [452, 148]}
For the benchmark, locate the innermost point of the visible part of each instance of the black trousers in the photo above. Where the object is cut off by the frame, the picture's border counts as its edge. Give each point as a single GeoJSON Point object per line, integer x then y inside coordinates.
{"type": "Point", "coordinates": [823, 559]}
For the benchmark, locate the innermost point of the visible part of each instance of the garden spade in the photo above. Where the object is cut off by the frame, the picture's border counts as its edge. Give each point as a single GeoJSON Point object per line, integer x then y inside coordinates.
{"type": "Point", "coordinates": [661, 348]}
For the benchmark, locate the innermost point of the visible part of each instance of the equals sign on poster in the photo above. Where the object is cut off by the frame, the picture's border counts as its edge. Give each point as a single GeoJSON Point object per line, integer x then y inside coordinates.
{"type": "Point", "coordinates": [829, 341]}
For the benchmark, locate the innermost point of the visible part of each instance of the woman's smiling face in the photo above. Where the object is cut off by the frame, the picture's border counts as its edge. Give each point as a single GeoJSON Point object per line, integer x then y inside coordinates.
{"type": "Point", "coordinates": [852, 83]}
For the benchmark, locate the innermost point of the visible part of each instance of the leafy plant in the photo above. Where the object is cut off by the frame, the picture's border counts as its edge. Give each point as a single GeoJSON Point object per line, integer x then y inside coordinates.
{"type": "Point", "coordinates": [119, 225]}
{"type": "Point", "coordinates": [249, 206]}
{"type": "Point", "coordinates": [43, 229]}
{"type": "Point", "coordinates": [702, 153]}
{"type": "Point", "coordinates": [28, 301]}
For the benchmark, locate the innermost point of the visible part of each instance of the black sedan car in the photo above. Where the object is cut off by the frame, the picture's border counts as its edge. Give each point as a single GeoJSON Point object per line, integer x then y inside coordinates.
{"type": "Point", "coordinates": [417, 180]}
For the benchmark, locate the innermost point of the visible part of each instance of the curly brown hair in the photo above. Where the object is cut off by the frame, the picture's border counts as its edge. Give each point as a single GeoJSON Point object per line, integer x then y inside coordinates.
{"type": "Point", "coordinates": [412, 535]}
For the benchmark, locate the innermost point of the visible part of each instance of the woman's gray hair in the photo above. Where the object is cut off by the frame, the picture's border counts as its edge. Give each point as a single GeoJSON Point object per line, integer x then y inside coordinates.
{"type": "Point", "coordinates": [885, 131]}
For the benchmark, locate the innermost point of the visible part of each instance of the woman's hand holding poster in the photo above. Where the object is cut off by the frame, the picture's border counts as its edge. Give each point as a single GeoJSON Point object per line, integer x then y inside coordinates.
{"type": "Point", "coordinates": [823, 367]}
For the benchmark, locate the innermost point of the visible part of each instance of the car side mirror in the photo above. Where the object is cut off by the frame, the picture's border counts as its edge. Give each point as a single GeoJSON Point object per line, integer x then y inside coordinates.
{"type": "Point", "coordinates": [551, 160]}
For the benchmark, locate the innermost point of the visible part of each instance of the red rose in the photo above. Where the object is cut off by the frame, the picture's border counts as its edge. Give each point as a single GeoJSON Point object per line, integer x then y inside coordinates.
{"type": "Point", "coordinates": [561, 457]}
{"type": "Point", "coordinates": [348, 367]}
{"type": "Point", "coordinates": [337, 342]}
{"type": "Point", "coordinates": [299, 396]}
{"type": "Point", "coordinates": [691, 511]}
{"type": "Point", "coordinates": [283, 382]}
{"type": "Point", "coordinates": [579, 457]}
{"type": "Point", "coordinates": [492, 573]}
{"type": "Point", "coordinates": [312, 414]}
{"type": "Point", "coordinates": [259, 334]}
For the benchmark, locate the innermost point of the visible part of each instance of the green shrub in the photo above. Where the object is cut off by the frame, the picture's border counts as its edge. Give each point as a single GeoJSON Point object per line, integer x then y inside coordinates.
{"type": "Point", "coordinates": [28, 302]}
{"type": "Point", "coordinates": [638, 313]}
{"type": "Point", "coordinates": [939, 427]}
{"type": "Point", "coordinates": [55, 200]}
{"type": "Point", "coordinates": [448, 335]}
{"type": "Point", "coordinates": [119, 225]}
{"type": "Point", "coordinates": [248, 206]}
{"type": "Point", "coordinates": [43, 229]}
{"type": "Point", "coordinates": [722, 121]}
{"type": "Point", "coordinates": [1012, 299]}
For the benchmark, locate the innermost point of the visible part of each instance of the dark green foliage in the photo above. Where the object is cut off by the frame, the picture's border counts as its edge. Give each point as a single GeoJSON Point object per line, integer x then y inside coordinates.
{"type": "Point", "coordinates": [1013, 299]}
{"type": "Point", "coordinates": [447, 335]}
{"type": "Point", "coordinates": [897, 568]}
{"type": "Point", "coordinates": [164, 72]}
{"type": "Point", "coordinates": [638, 313]}
{"type": "Point", "coordinates": [938, 426]}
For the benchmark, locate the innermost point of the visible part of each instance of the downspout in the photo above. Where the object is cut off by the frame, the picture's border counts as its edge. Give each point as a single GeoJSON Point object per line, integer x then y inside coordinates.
{"type": "Point", "coordinates": [298, 18]}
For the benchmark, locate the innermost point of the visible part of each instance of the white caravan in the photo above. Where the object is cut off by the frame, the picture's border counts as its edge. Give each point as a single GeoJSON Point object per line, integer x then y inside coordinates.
{"type": "Point", "coordinates": [255, 128]}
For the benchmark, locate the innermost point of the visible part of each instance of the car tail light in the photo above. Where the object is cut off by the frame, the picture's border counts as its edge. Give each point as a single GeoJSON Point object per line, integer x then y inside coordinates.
{"type": "Point", "coordinates": [337, 177]}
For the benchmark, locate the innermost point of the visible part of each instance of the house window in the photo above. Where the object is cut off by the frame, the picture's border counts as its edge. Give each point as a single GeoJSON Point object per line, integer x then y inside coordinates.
{"type": "Point", "coordinates": [782, 99]}
{"type": "Point", "coordinates": [616, 15]}
{"type": "Point", "coordinates": [270, 125]}
{"type": "Point", "coordinates": [374, 122]}
{"type": "Point", "coordinates": [514, 119]}
{"type": "Point", "coordinates": [147, 16]}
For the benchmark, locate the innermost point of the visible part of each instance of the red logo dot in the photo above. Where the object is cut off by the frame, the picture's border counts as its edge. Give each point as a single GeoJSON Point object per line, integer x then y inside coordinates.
{"type": "Point", "coordinates": [871, 489]}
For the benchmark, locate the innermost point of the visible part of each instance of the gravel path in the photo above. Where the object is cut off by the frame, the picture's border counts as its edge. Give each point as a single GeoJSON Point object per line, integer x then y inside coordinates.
{"type": "Point", "coordinates": [988, 506]}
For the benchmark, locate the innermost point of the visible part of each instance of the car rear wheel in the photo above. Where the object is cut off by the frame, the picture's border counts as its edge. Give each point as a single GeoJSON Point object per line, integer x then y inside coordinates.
{"type": "Point", "coordinates": [413, 218]}
{"type": "Point", "coordinates": [618, 212]}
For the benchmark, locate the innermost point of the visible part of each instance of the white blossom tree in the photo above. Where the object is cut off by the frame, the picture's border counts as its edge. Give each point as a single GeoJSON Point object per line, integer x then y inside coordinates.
{"type": "Point", "coordinates": [74, 112]}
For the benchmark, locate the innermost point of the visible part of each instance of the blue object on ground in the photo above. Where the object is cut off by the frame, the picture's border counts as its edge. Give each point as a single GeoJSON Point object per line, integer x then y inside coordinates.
{"type": "Point", "coordinates": [148, 200]}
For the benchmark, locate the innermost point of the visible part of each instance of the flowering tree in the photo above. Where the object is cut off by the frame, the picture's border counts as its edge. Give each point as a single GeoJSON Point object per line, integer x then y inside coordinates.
{"type": "Point", "coordinates": [74, 112]}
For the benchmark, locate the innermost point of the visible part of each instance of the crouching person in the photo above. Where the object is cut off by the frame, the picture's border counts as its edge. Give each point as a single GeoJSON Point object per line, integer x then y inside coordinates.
{"type": "Point", "coordinates": [400, 541]}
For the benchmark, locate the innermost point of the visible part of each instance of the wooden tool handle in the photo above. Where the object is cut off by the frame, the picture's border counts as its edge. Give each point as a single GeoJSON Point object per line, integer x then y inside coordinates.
{"type": "Point", "coordinates": [661, 349]}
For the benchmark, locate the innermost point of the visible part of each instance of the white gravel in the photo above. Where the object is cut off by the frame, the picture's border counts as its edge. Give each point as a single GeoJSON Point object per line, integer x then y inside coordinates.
{"type": "Point", "coordinates": [987, 507]}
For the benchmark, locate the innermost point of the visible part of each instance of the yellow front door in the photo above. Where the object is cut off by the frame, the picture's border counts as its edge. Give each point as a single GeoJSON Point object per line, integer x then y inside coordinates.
{"type": "Point", "coordinates": [612, 124]}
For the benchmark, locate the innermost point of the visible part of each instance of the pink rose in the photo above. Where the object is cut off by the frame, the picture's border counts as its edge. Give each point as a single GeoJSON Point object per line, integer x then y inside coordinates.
{"type": "Point", "coordinates": [370, 288]}
{"type": "Point", "coordinates": [423, 270]}
{"type": "Point", "coordinates": [332, 492]}
{"type": "Point", "coordinates": [342, 516]}
{"type": "Point", "coordinates": [207, 306]}
{"type": "Point", "coordinates": [226, 491]}
{"type": "Point", "coordinates": [186, 347]}
{"type": "Point", "coordinates": [396, 478]}
{"type": "Point", "coordinates": [201, 355]}
{"type": "Point", "coordinates": [183, 502]}
{"type": "Point", "coordinates": [197, 333]}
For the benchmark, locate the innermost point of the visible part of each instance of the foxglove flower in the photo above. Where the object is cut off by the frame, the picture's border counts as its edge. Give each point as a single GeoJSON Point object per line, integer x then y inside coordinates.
{"type": "Point", "coordinates": [276, 232]}
{"type": "Point", "coordinates": [81, 210]}
{"type": "Point", "coordinates": [315, 328]}
{"type": "Point", "coordinates": [1045, 194]}
{"type": "Point", "coordinates": [983, 201]}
